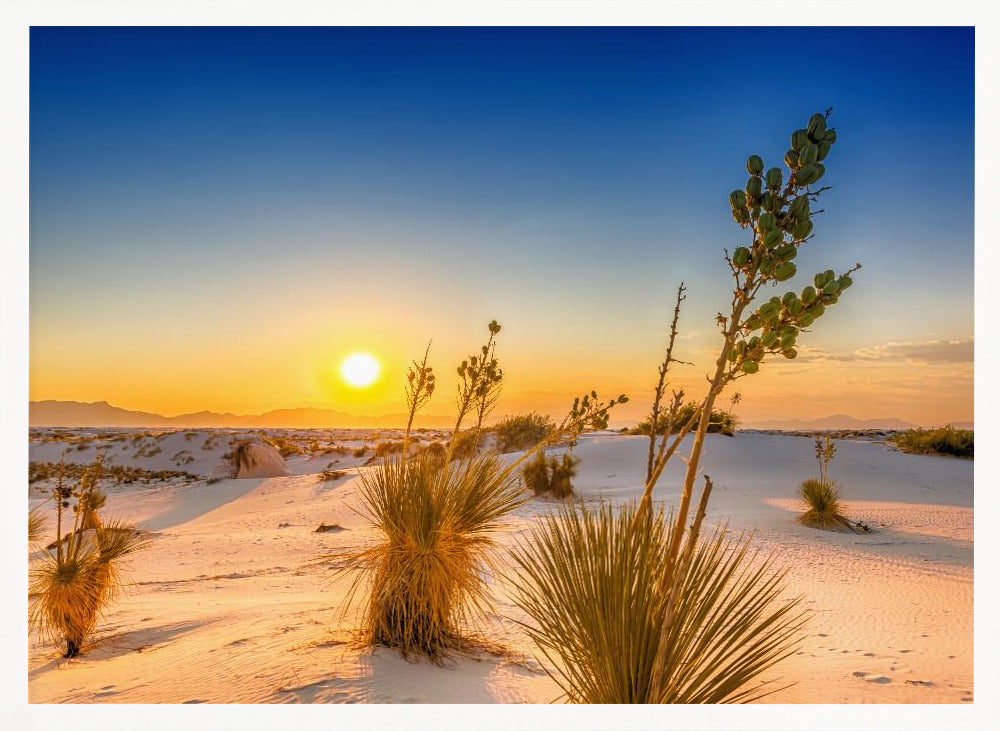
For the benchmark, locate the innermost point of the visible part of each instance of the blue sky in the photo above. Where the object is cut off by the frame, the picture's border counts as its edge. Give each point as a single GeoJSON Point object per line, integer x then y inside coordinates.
{"type": "Point", "coordinates": [423, 179]}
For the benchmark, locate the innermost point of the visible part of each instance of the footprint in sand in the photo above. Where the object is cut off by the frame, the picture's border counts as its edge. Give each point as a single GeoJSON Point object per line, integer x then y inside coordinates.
{"type": "Point", "coordinates": [880, 679]}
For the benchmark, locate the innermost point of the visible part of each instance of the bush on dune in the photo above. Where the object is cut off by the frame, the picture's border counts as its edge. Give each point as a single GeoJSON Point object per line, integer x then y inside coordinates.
{"type": "Point", "coordinates": [721, 422]}
{"type": "Point", "coordinates": [824, 509]}
{"type": "Point", "coordinates": [522, 431]}
{"type": "Point", "coordinates": [946, 440]}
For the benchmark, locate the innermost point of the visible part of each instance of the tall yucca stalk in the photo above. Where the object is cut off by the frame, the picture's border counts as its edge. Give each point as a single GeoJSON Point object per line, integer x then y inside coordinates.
{"type": "Point", "coordinates": [589, 581]}
{"type": "Point", "coordinates": [428, 571]}
{"type": "Point", "coordinates": [73, 581]}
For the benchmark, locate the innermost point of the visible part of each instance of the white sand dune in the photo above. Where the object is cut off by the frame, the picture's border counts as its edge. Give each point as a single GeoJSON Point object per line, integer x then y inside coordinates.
{"type": "Point", "coordinates": [234, 589]}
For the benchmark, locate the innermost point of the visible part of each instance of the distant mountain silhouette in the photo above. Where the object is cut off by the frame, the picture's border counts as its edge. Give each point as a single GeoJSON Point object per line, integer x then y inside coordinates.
{"type": "Point", "coordinates": [837, 421]}
{"type": "Point", "coordinates": [103, 414]}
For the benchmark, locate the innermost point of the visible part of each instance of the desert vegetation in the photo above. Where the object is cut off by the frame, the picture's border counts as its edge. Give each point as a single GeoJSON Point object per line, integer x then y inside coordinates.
{"type": "Point", "coordinates": [74, 579]}
{"type": "Point", "coordinates": [425, 581]}
{"type": "Point", "coordinates": [119, 474]}
{"type": "Point", "coordinates": [720, 422]}
{"type": "Point", "coordinates": [946, 440]}
{"type": "Point", "coordinates": [664, 590]}
{"type": "Point", "coordinates": [522, 431]}
{"type": "Point", "coordinates": [550, 475]}
{"type": "Point", "coordinates": [821, 497]}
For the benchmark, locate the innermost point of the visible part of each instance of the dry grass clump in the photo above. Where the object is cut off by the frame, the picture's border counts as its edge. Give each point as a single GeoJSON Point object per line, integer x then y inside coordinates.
{"type": "Point", "coordinates": [590, 580]}
{"type": "Point", "coordinates": [73, 581]}
{"type": "Point", "coordinates": [824, 509]}
{"type": "Point", "coordinates": [522, 431]}
{"type": "Point", "coordinates": [331, 475]}
{"type": "Point", "coordinates": [947, 440]}
{"type": "Point", "coordinates": [428, 571]}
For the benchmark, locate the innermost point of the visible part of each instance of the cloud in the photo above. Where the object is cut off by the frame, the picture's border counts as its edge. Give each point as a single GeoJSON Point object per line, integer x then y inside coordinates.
{"type": "Point", "coordinates": [915, 351]}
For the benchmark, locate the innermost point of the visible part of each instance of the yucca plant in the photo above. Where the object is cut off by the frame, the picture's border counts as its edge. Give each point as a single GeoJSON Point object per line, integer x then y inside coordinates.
{"type": "Point", "coordinates": [428, 572]}
{"type": "Point", "coordinates": [823, 506]}
{"type": "Point", "coordinates": [426, 578]}
{"type": "Point", "coordinates": [37, 523]}
{"type": "Point", "coordinates": [72, 581]}
{"type": "Point", "coordinates": [589, 581]}
{"type": "Point", "coordinates": [562, 470]}
{"type": "Point", "coordinates": [535, 474]}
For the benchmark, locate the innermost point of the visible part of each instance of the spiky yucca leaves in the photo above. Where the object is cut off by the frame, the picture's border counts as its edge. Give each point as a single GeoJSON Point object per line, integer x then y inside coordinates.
{"type": "Point", "coordinates": [562, 471]}
{"type": "Point", "coordinates": [70, 588]}
{"type": "Point", "coordinates": [428, 572]}
{"type": "Point", "coordinates": [536, 473]}
{"type": "Point", "coordinates": [588, 581]}
{"type": "Point", "coordinates": [824, 507]}
{"type": "Point", "coordinates": [37, 523]}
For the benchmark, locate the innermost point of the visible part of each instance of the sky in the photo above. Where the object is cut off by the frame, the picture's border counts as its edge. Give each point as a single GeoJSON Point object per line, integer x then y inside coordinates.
{"type": "Point", "coordinates": [220, 216]}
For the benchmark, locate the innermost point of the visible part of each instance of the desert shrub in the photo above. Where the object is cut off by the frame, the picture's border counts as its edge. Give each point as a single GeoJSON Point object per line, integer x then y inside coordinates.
{"type": "Point", "coordinates": [331, 475]}
{"type": "Point", "coordinates": [383, 449]}
{"type": "Point", "coordinates": [429, 570]}
{"type": "Point", "coordinates": [464, 445]}
{"type": "Point", "coordinates": [946, 440]}
{"type": "Point", "coordinates": [535, 474]}
{"type": "Point", "coordinates": [522, 431]}
{"type": "Point", "coordinates": [824, 509]}
{"type": "Point", "coordinates": [43, 471]}
{"type": "Point", "coordinates": [435, 452]}
{"type": "Point", "coordinates": [591, 582]}
{"type": "Point", "coordinates": [37, 523]}
{"type": "Point", "coordinates": [73, 580]}
{"type": "Point", "coordinates": [720, 422]}
{"type": "Point", "coordinates": [550, 475]}
{"type": "Point", "coordinates": [561, 473]}
{"type": "Point", "coordinates": [285, 446]}
{"type": "Point", "coordinates": [360, 451]}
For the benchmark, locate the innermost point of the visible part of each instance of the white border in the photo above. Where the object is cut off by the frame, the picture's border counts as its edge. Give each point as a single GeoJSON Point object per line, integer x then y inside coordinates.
{"type": "Point", "coordinates": [17, 16]}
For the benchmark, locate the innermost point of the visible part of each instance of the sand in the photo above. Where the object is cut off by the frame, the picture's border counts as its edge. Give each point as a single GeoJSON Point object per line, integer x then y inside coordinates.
{"type": "Point", "coordinates": [234, 602]}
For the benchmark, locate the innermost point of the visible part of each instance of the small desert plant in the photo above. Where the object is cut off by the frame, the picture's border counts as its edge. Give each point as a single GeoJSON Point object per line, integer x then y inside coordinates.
{"type": "Point", "coordinates": [550, 475]}
{"type": "Point", "coordinates": [360, 451]}
{"type": "Point", "coordinates": [37, 523]}
{"type": "Point", "coordinates": [824, 509]}
{"type": "Point", "coordinates": [946, 440]}
{"type": "Point", "coordinates": [721, 422]}
{"type": "Point", "coordinates": [435, 452]}
{"type": "Point", "coordinates": [522, 431]}
{"type": "Point", "coordinates": [590, 581]}
{"type": "Point", "coordinates": [73, 581]}
{"type": "Point", "coordinates": [386, 448]}
{"type": "Point", "coordinates": [331, 475]}
{"type": "Point", "coordinates": [464, 445]}
{"type": "Point", "coordinates": [535, 474]}
{"type": "Point", "coordinates": [428, 574]}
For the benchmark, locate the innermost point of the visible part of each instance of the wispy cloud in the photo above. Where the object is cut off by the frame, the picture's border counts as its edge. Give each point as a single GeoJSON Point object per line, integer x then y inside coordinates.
{"type": "Point", "coordinates": [914, 351]}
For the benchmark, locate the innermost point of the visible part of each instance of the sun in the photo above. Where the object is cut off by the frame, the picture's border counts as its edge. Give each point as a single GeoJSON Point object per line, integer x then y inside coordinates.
{"type": "Point", "coordinates": [359, 370]}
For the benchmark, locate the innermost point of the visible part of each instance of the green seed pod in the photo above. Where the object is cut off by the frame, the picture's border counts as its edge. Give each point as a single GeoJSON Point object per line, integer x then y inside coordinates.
{"type": "Point", "coordinates": [796, 307]}
{"type": "Point", "coordinates": [802, 229]}
{"type": "Point", "coordinates": [738, 199]}
{"type": "Point", "coordinates": [845, 282]}
{"type": "Point", "coordinates": [823, 149]}
{"type": "Point", "coordinates": [768, 339]}
{"type": "Point", "coordinates": [791, 158]}
{"type": "Point", "coordinates": [768, 311]}
{"type": "Point", "coordinates": [786, 252]}
{"type": "Point", "coordinates": [755, 165]}
{"type": "Point", "coordinates": [817, 126]}
{"type": "Point", "coordinates": [767, 221]}
{"type": "Point", "coordinates": [750, 366]}
{"type": "Point", "coordinates": [741, 216]}
{"type": "Point", "coordinates": [809, 154]}
{"type": "Point", "coordinates": [828, 276]}
{"type": "Point", "coordinates": [789, 353]}
{"type": "Point", "coordinates": [753, 187]}
{"type": "Point", "coordinates": [784, 271]}
{"type": "Point", "coordinates": [773, 237]}
{"type": "Point", "coordinates": [820, 171]}
{"type": "Point", "coordinates": [817, 310]}
{"type": "Point", "coordinates": [808, 295]}
{"type": "Point", "coordinates": [753, 322]}
{"type": "Point", "coordinates": [800, 207]}
{"type": "Point", "coordinates": [753, 342]}
{"type": "Point", "coordinates": [831, 287]}
{"type": "Point", "coordinates": [788, 298]}
{"type": "Point", "coordinates": [767, 201]}
{"type": "Point", "coordinates": [799, 139]}
{"type": "Point", "coordinates": [807, 174]}
{"type": "Point", "coordinates": [741, 257]}
{"type": "Point", "coordinates": [819, 281]}
{"type": "Point", "coordinates": [788, 340]}
{"type": "Point", "coordinates": [830, 136]}
{"type": "Point", "coordinates": [741, 347]}
{"type": "Point", "coordinates": [773, 178]}
{"type": "Point", "coordinates": [832, 299]}
{"type": "Point", "coordinates": [806, 319]}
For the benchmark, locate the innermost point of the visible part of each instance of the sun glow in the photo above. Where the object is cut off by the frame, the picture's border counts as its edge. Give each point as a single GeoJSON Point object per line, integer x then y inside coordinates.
{"type": "Point", "coordinates": [359, 370]}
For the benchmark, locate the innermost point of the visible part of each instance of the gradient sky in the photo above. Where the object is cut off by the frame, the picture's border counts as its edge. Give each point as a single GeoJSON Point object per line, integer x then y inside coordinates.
{"type": "Point", "coordinates": [219, 216]}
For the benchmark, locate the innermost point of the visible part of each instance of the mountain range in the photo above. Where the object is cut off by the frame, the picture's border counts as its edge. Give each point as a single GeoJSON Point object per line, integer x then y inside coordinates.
{"type": "Point", "coordinates": [103, 414]}
{"type": "Point", "coordinates": [840, 421]}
